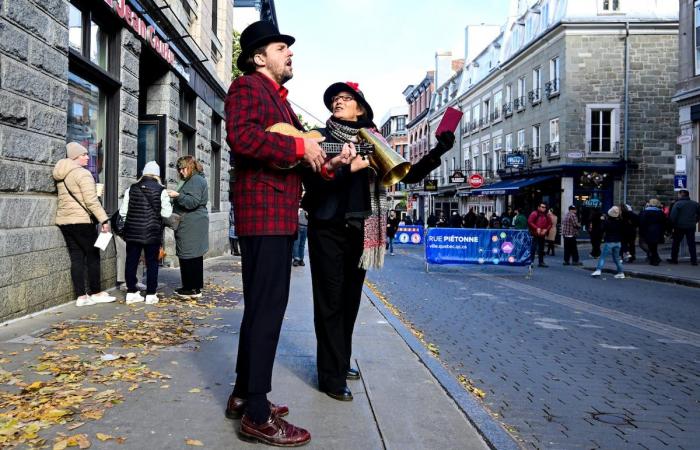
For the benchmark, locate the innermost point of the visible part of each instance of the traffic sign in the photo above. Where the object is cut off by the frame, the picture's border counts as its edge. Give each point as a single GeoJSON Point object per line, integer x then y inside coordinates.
{"type": "Point", "coordinates": [476, 180]}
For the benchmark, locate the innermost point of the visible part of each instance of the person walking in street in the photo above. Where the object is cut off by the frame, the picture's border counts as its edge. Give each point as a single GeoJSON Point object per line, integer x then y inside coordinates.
{"type": "Point", "coordinates": [77, 206]}
{"type": "Point", "coordinates": [432, 220]}
{"type": "Point", "coordinates": [570, 227]}
{"type": "Point", "coordinates": [192, 234]}
{"type": "Point", "coordinates": [551, 236]}
{"type": "Point", "coordinates": [612, 229]}
{"type": "Point", "coordinates": [392, 224]}
{"type": "Point", "coordinates": [685, 215]}
{"type": "Point", "coordinates": [494, 221]}
{"type": "Point", "coordinates": [300, 242]}
{"type": "Point", "coordinates": [266, 199]}
{"type": "Point", "coordinates": [145, 203]}
{"type": "Point", "coordinates": [455, 220]}
{"type": "Point", "coordinates": [652, 225]}
{"type": "Point", "coordinates": [348, 233]}
{"type": "Point", "coordinates": [539, 224]}
{"type": "Point", "coordinates": [481, 221]}
{"type": "Point", "coordinates": [469, 220]}
{"type": "Point", "coordinates": [232, 237]}
{"type": "Point", "coordinates": [594, 226]}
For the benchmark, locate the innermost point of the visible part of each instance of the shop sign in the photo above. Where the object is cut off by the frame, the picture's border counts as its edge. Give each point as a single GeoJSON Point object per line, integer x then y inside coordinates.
{"type": "Point", "coordinates": [681, 166]}
{"type": "Point", "coordinates": [457, 177]}
{"type": "Point", "coordinates": [514, 160]}
{"type": "Point", "coordinates": [476, 180]}
{"type": "Point", "coordinates": [680, 182]}
{"type": "Point", "coordinates": [574, 155]}
{"type": "Point", "coordinates": [684, 139]}
{"type": "Point", "coordinates": [139, 26]}
{"type": "Point", "coordinates": [430, 185]}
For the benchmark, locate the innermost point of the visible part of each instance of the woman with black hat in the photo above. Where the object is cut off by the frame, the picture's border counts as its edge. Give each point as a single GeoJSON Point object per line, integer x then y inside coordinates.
{"type": "Point", "coordinates": [347, 221]}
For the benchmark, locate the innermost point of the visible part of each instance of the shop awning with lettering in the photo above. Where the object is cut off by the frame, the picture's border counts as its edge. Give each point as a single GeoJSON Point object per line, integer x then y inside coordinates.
{"type": "Point", "coordinates": [510, 186]}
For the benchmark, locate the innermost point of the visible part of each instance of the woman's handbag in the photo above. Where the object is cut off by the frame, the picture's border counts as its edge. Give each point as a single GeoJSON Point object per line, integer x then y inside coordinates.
{"type": "Point", "coordinates": [173, 221]}
{"type": "Point", "coordinates": [117, 222]}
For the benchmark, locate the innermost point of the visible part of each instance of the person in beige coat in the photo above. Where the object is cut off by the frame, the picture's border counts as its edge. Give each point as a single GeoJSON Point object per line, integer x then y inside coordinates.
{"type": "Point", "coordinates": [552, 233]}
{"type": "Point", "coordinates": [77, 206]}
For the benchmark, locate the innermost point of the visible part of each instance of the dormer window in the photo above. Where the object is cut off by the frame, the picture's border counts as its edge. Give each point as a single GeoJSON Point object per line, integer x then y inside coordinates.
{"type": "Point", "coordinates": [609, 6]}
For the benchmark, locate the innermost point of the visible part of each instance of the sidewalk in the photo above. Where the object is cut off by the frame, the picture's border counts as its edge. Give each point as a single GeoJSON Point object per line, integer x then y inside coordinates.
{"type": "Point", "coordinates": [157, 377]}
{"type": "Point", "coordinates": [681, 273]}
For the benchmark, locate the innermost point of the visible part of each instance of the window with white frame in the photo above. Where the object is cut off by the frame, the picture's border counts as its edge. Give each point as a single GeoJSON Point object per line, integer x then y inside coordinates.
{"type": "Point", "coordinates": [466, 163]}
{"type": "Point", "coordinates": [536, 141]}
{"type": "Point", "coordinates": [553, 75]}
{"type": "Point", "coordinates": [475, 157]}
{"type": "Point", "coordinates": [486, 158]}
{"type": "Point", "coordinates": [497, 152]}
{"type": "Point", "coordinates": [554, 137]}
{"type": "Point", "coordinates": [486, 107]}
{"type": "Point", "coordinates": [475, 113]}
{"type": "Point", "coordinates": [521, 94]}
{"type": "Point", "coordinates": [521, 139]}
{"type": "Point", "coordinates": [536, 83]}
{"type": "Point", "coordinates": [509, 93]}
{"type": "Point", "coordinates": [602, 127]}
{"type": "Point", "coordinates": [696, 37]}
{"type": "Point", "coordinates": [497, 101]}
{"type": "Point", "coordinates": [509, 142]}
{"type": "Point", "coordinates": [467, 119]}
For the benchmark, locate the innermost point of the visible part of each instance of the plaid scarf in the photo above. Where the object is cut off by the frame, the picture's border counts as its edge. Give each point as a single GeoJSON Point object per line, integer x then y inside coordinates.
{"type": "Point", "coordinates": [374, 232]}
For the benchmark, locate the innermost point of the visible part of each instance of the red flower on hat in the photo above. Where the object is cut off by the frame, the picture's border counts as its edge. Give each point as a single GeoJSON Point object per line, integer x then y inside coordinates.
{"type": "Point", "coordinates": [355, 86]}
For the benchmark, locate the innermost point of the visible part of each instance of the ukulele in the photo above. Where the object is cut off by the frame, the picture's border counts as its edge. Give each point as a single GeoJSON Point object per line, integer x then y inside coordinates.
{"type": "Point", "coordinates": [331, 148]}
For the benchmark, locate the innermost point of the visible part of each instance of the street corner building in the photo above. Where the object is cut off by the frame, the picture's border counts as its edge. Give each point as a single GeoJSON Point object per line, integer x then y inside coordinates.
{"type": "Point", "coordinates": [569, 102]}
{"type": "Point", "coordinates": [132, 81]}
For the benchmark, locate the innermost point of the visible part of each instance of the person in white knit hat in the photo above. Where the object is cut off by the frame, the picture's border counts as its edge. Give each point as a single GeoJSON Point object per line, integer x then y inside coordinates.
{"type": "Point", "coordinates": [145, 204]}
{"type": "Point", "coordinates": [77, 212]}
{"type": "Point", "coordinates": [612, 236]}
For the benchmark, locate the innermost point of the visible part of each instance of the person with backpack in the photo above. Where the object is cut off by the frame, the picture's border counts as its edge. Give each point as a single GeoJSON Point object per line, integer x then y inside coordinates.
{"type": "Point", "coordinates": [145, 204]}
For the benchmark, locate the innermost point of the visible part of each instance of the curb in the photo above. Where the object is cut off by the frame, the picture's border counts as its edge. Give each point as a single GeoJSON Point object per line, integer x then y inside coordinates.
{"type": "Point", "coordinates": [653, 277]}
{"type": "Point", "coordinates": [493, 433]}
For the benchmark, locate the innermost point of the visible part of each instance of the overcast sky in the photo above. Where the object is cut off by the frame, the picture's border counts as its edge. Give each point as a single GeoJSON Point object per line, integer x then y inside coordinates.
{"type": "Point", "coordinates": [384, 45]}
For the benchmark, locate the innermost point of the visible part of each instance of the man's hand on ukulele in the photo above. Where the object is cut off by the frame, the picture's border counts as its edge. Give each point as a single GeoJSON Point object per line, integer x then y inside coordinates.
{"type": "Point", "coordinates": [314, 155]}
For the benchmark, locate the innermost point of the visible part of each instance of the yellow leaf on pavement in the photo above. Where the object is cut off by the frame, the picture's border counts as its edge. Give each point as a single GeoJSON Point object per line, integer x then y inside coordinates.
{"type": "Point", "coordinates": [104, 437]}
{"type": "Point", "coordinates": [194, 442]}
{"type": "Point", "coordinates": [195, 390]}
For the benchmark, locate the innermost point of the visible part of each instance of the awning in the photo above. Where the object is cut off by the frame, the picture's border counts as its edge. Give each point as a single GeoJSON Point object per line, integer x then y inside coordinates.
{"type": "Point", "coordinates": [508, 186]}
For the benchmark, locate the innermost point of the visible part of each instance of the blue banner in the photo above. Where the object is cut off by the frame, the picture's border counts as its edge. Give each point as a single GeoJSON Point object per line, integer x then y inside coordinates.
{"type": "Point", "coordinates": [478, 246]}
{"type": "Point", "coordinates": [409, 234]}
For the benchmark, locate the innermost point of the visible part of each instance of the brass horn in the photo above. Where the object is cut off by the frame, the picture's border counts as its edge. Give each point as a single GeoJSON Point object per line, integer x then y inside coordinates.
{"type": "Point", "coordinates": [388, 164]}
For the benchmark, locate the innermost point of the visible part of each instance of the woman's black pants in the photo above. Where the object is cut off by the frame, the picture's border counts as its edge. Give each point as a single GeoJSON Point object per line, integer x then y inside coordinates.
{"type": "Point", "coordinates": [334, 254]}
{"type": "Point", "coordinates": [133, 254]}
{"type": "Point", "coordinates": [80, 239]}
{"type": "Point", "coordinates": [192, 272]}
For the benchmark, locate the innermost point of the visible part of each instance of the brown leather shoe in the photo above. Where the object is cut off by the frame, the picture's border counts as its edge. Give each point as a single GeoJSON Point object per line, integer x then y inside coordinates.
{"type": "Point", "coordinates": [276, 431]}
{"type": "Point", "coordinates": [236, 407]}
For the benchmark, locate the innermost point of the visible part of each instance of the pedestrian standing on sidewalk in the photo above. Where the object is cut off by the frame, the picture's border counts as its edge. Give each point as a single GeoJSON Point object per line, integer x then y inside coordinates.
{"type": "Point", "coordinates": [300, 243]}
{"type": "Point", "coordinates": [78, 215]}
{"type": "Point", "coordinates": [192, 234]}
{"type": "Point", "coordinates": [347, 234]}
{"type": "Point", "coordinates": [145, 204]}
{"type": "Point", "coordinates": [652, 224]}
{"type": "Point", "coordinates": [519, 220]}
{"type": "Point", "coordinates": [612, 238]}
{"type": "Point", "coordinates": [539, 224]}
{"type": "Point", "coordinates": [630, 223]}
{"type": "Point", "coordinates": [392, 224]}
{"type": "Point", "coordinates": [570, 227]}
{"type": "Point", "coordinates": [552, 233]}
{"type": "Point", "coordinates": [266, 198]}
{"type": "Point", "coordinates": [685, 215]}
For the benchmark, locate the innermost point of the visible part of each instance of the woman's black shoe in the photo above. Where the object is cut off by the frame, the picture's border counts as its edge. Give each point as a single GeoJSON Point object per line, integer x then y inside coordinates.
{"type": "Point", "coordinates": [353, 374]}
{"type": "Point", "coordinates": [343, 394]}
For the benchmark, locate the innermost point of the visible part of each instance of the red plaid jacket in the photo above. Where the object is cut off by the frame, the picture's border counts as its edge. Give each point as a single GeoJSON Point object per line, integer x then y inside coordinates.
{"type": "Point", "coordinates": [265, 199]}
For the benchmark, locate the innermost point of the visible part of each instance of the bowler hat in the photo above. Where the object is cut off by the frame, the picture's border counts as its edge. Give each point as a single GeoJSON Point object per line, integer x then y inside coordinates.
{"type": "Point", "coordinates": [353, 88]}
{"type": "Point", "coordinates": [256, 35]}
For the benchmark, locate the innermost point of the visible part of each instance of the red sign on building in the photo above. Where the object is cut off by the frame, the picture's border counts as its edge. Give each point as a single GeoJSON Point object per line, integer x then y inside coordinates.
{"type": "Point", "coordinates": [476, 180]}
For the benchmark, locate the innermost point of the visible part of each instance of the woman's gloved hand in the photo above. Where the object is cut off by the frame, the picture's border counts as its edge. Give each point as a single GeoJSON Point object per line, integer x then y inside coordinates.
{"type": "Point", "coordinates": [446, 140]}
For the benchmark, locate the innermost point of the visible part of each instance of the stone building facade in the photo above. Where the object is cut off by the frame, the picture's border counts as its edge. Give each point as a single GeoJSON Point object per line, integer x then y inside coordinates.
{"type": "Point", "coordinates": [570, 104]}
{"type": "Point", "coordinates": [130, 80]}
{"type": "Point", "coordinates": [393, 128]}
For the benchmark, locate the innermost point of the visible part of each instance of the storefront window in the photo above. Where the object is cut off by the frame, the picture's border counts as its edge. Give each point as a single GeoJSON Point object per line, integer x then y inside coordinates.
{"type": "Point", "coordinates": [75, 28]}
{"type": "Point", "coordinates": [86, 122]}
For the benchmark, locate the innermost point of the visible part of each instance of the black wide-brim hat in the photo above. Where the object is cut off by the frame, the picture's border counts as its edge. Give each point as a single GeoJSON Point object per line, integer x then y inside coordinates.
{"type": "Point", "coordinates": [353, 88]}
{"type": "Point", "coordinates": [256, 35]}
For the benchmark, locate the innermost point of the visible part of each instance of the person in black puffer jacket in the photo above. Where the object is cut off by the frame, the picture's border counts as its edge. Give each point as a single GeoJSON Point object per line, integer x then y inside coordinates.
{"type": "Point", "coordinates": [612, 228]}
{"type": "Point", "coordinates": [145, 204]}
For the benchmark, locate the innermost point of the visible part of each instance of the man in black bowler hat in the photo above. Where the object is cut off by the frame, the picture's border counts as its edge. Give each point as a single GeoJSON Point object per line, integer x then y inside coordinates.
{"type": "Point", "coordinates": [265, 200]}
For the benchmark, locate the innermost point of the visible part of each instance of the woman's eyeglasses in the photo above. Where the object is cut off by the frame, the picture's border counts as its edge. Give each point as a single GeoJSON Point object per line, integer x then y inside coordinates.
{"type": "Point", "coordinates": [345, 98]}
